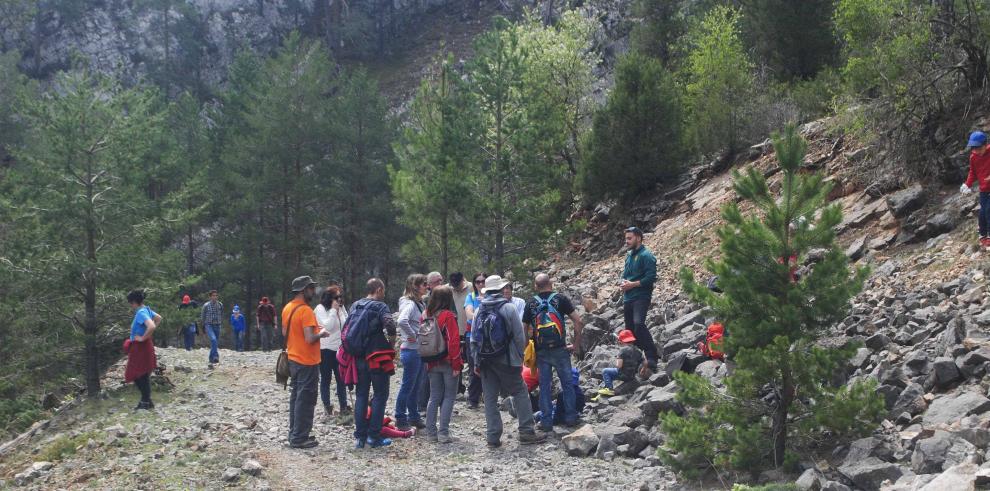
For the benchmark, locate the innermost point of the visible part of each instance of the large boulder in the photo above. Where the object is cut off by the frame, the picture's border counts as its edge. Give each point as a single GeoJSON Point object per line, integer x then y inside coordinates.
{"type": "Point", "coordinates": [661, 399]}
{"type": "Point", "coordinates": [713, 370]}
{"type": "Point", "coordinates": [950, 408]}
{"type": "Point", "coordinates": [581, 442]}
{"type": "Point", "coordinates": [871, 472]}
{"type": "Point", "coordinates": [959, 478]}
{"type": "Point", "coordinates": [972, 361]}
{"type": "Point", "coordinates": [944, 374]}
{"type": "Point", "coordinates": [911, 401]}
{"type": "Point", "coordinates": [907, 200]}
{"type": "Point", "coordinates": [941, 451]}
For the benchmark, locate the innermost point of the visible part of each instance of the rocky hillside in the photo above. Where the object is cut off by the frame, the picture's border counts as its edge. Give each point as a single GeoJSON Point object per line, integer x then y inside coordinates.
{"type": "Point", "coordinates": [921, 319]}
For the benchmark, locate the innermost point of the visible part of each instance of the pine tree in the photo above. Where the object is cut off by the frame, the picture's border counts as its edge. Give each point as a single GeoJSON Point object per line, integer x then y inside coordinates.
{"type": "Point", "coordinates": [795, 39]}
{"type": "Point", "coordinates": [719, 82]}
{"type": "Point", "coordinates": [779, 396]}
{"type": "Point", "coordinates": [640, 130]}
{"type": "Point", "coordinates": [89, 225]}
{"type": "Point", "coordinates": [437, 163]}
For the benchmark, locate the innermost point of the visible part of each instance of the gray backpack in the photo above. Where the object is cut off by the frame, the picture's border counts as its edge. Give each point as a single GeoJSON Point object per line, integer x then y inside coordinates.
{"type": "Point", "coordinates": [431, 342]}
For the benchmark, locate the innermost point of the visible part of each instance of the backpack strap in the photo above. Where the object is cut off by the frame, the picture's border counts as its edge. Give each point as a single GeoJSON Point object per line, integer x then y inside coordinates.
{"type": "Point", "coordinates": [288, 328]}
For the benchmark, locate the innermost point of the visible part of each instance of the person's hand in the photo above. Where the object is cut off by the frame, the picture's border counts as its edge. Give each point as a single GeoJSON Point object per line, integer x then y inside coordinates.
{"type": "Point", "coordinates": [626, 285]}
{"type": "Point", "coordinates": [964, 189]}
{"type": "Point", "coordinates": [457, 373]}
{"type": "Point", "coordinates": [569, 348]}
{"type": "Point", "coordinates": [324, 334]}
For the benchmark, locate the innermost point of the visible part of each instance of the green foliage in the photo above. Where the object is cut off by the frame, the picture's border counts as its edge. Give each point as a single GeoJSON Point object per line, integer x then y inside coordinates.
{"type": "Point", "coordinates": [637, 138]}
{"type": "Point", "coordinates": [62, 447]}
{"type": "Point", "coordinates": [17, 409]}
{"type": "Point", "coordinates": [719, 82]}
{"type": "Point", "coordinates": [794, 39]}
{"type": "Point", "coordinates": [774, 320]}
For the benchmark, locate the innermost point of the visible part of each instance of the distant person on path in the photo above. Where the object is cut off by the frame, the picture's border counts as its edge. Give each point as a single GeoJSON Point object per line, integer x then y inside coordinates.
{"type": "Point", "coordinates": [472, 302]}
{"type": "Point", "coordinates": [189, 329]}
{"type": "Point", "coordinates": [212, 317]}
{"type": "Point", "coordinates": [979, 173]}
{"type": "Point", "coordinates": [332, 316]}
{"type": "Point", "coordinates": [444, 374]}
{"type": "Point", "coordinates": [638, 277]}
{"type": "Point", "coordinates": [264, 318]}
{"type": "Point", "coordinates": [140, 348]}
{"type": "Point", "coordinates": [238, 324]}
{"type": "Point", "coordinates": [544, 320]}
{"type": "Point", "coordinates": [302, 339]}
{"type": "Point", "coordinates": [374, 363]}
{"type": "Point", "coordinates": [410, 313]}
{"type": "Point", "coordinates": [497, 344]}
{"type": "Point", "coordinates": [626, 365]}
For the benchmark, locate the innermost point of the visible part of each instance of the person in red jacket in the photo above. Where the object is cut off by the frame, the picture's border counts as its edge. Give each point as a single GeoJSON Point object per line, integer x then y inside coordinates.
{"type": "Point", "coordinates": [444, 374]}
{"type": "Point", "coordinates": [979, 172]}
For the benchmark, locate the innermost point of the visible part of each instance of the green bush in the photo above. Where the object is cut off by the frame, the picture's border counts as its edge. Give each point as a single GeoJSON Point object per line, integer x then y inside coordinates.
{"type": "Point", "coordinates": [637, 138]}
{"type": "Point", "coordinates": [17, 411]}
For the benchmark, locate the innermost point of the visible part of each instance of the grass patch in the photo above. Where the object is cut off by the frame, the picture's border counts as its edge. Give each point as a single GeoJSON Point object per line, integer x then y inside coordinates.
{"type": "Point", "coordinates": [63, 447]}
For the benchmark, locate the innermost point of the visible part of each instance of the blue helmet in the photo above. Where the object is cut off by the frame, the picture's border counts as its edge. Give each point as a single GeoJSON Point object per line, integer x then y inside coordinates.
{"type": "Point", "coordinates": [977, 139]}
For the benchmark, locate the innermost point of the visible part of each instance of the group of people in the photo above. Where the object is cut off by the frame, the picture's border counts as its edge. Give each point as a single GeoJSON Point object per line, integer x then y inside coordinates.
{"type": "Point", "coordinates": [460, 337]}
{"type": "Point", "coordinates": [208, 322]}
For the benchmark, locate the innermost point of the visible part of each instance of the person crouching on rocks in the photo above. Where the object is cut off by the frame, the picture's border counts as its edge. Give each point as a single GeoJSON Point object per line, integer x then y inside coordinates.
{"type": "Point", "coordinates": [140, 348]}
{"type": "Point", "coordinates": [979, 172]}
{"type": "Point", "coordinates": [626, 364]}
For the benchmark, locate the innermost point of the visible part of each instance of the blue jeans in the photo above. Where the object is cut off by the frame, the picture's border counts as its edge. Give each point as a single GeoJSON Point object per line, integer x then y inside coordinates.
{"type": "Point", "coordinates": [984, 215]}
{"type": "Point", "coordinates": [407, 402]}
{"type": "Point", "coordinates": [369, 428]}
{"type": "Point", "coordinates": [328, 371]}
{"type": "Point", "coordinates": [239, 340]}
{"type": "Point", "coordinates": [558, 359]}
{"type": "Point", "coordinates": [609, 375]}
{"type": "Point", "coordinates": [189, 336]}
{"type": "Point", "coordinates": [213, 331]}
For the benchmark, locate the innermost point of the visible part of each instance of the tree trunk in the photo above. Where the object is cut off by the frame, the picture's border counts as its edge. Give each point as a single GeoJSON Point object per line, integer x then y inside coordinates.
{"type": "Point", "coordinates": [444, 245]}
{"type": "Point", "coordinates": [246, 312]}
{"type": "Point", "coordinates": [190, 250]}
{"type": "Point", "coordinates": [89, 279]}
{"type": "Point", "coordinates": [779, 424]}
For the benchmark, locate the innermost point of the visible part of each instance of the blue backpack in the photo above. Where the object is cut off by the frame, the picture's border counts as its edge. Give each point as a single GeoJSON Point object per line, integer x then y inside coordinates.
{"type": "Point", "coordinates": [363, 322]}
{"type": "Point", "coordinates": [548, 324]}
{"type": "Point", "coordinates": [490, 336]}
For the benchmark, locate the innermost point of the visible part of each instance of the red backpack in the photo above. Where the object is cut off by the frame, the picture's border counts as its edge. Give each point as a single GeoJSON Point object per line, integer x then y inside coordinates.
{"type": "Point", "coordinates": [712, 345]}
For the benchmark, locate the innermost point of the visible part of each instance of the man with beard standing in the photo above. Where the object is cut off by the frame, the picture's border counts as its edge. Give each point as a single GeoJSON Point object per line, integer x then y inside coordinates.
{"type": "Point", "coordinates": [302, 340]}
{"type": "Point", "coordinates": [638, 277]}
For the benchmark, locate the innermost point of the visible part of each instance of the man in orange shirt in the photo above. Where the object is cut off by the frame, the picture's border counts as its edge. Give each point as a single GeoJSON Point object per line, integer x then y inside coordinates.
{"type": "Point", "coordinates": [302, 343]}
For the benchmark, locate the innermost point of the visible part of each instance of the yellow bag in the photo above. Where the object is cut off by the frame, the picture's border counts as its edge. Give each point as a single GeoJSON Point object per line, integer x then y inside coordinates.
{"type": "Point", "coordinates": [529, 356]}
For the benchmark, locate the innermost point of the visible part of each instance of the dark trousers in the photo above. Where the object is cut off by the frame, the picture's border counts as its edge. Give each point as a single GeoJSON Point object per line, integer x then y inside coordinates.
{"type": "Point", "coordinates": [189, 337]}
{"type": "Point", "coordinates": [329, 369]}
{"type": "Point", "coordinates": [302, 400]}
{"type": "Point", "coordinates": [984, 216]}
{"type": "Point", "coordinates": [368, 380]}
{"type": "Point", "coordinates": [502, 378]}
{"type": "Point", "coordinates": [474, 381]}
{"type": "Point", "coordinates": [267, 331]}
{"type": "Point", "coordinates": [143, 384]}
{"type": "Point", "coordinates": [634, 312]}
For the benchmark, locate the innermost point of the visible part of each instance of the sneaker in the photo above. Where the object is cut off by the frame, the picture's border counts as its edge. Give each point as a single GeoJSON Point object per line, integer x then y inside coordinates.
{"type": "Point", "coordinates": [412, 432]}
{"type": "Point", "coordinates": [344, 411]}
{"type": "Point", "coordinates": [403, 426]}
{"type": "Point", "coordinates": [531, 438]}
{"type": "Point", "coordinates": [358, 444]}
{"type": "Point", "coordinates": [141, 405]}
{"type": "Point", "coordinates": [605, 391]}
{"type": "Point", "coordinates": [210, 366]}
{"type": "Point", "coordinates": [328, 408]}
{"type": "Point", "coordinates": [444, 439]}
{"type": "Point", "coordinates": [310, 443]}
{"type": "Point", "coordinates": [432, 436]}
{"type": "Point", "coordinates": [384, 442]}
{"type": "Point", "coordinates": [419, 425]}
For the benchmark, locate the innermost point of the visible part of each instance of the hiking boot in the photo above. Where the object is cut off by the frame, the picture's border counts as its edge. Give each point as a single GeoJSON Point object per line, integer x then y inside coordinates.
{"type": "Point", "coordinates": [328, 408]}
{"type": "Point", "coordinates": [383, 442]}
{"type": "Point", "coordinates": [494, 445]}
{"type": "Point", "coordinates": [346, 410]}
{"type": "Point", "coordinates": [141, 405]}
{"type": "Point", "coordinates": [574, 424]}
{"type": "Point", "coordinates": [310, 443]}
{"type": "Point", "coordinates": [358, 444]}
{"type": "Point", "coordinates": [419, 425]}
{"type": "Point", "coordinates": [531, 438]}
{"type": "Point", "coordinates": [605, 391]}
{"type": "Point", "coordinates": [402, 425]}
{"type": "Point", "coordinates": [432, 435]}
{"type": "Point", "coordinates": [444, 439]}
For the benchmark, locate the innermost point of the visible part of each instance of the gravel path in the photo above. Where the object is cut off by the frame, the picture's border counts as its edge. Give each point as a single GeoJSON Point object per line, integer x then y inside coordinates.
{"type": "Point", "coordinates": [216, 426]}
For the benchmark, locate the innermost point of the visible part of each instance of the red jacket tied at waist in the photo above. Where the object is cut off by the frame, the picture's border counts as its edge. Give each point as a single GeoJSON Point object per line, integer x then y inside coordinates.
{"type": "Point", "coordinates": [382, 360]}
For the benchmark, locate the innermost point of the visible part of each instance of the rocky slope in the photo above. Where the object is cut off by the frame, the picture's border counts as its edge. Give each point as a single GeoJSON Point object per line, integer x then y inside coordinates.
{"type": "Point", "coordinates": [921, 318]}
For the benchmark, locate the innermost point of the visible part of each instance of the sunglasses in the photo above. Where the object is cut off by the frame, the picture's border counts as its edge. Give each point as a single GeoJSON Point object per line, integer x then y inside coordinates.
{"type": "Point", "coordinates": [479, 282]}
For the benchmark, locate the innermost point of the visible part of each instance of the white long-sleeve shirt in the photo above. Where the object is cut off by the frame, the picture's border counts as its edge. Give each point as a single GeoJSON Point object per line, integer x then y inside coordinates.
{"type": "Point", "coordinates": [332, 321]}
